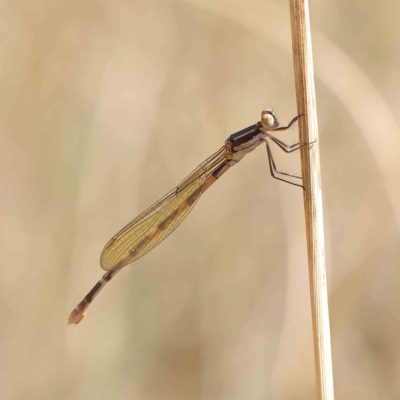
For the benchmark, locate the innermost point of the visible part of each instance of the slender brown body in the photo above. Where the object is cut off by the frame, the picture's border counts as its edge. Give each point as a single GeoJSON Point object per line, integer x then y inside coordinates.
{"type": "Point", "coordinates": [159, 220]}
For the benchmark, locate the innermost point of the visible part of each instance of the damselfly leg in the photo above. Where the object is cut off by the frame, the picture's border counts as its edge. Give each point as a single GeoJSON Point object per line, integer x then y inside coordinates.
{"type": "Point", "coordinates": [292, 122]}
{"type": "Point", "coordinates": [275, 172]}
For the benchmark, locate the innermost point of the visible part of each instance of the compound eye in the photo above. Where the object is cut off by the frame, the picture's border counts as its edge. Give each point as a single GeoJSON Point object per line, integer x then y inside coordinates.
{"type": "Point", "coordinates": [267, 121]}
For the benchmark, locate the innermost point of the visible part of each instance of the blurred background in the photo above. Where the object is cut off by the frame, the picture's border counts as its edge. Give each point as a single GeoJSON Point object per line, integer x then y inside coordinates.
{"type": "Point", "coordinates": [106, 106]}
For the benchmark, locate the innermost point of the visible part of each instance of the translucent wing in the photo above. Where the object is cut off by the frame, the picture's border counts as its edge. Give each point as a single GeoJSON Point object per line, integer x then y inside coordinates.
{"type": "Point", "coordinates": [152, 226]}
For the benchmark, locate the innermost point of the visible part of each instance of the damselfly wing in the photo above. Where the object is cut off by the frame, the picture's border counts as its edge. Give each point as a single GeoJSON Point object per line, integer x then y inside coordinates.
{"type": "Point", "coordinates": [157, 222]}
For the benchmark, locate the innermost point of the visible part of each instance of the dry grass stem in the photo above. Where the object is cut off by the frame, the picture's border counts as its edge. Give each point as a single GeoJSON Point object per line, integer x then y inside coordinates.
{"type": "Point", "coordinates": [308, 128]}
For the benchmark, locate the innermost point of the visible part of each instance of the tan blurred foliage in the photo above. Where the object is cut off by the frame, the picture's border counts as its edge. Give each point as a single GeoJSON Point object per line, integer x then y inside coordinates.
{"type": "Point", "coordinates": [105, 106]}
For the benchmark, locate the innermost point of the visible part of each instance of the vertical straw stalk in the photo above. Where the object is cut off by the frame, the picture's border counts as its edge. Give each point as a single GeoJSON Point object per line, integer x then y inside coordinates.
{"type": "Point", "coordinates": [308, 128]}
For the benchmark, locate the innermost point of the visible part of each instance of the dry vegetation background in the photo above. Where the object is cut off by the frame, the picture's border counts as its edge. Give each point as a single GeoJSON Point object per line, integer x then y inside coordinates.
{"type": "Point", "coordinates": [105, 106]}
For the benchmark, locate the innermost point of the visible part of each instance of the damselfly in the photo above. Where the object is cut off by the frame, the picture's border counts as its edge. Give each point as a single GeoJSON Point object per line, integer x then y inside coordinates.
{"type": "Point", "coordinates": [152, 226]}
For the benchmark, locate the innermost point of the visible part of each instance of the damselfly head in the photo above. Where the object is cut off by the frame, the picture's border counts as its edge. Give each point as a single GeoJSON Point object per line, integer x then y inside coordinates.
{"type": "Point", "coordinates": [268, 120]}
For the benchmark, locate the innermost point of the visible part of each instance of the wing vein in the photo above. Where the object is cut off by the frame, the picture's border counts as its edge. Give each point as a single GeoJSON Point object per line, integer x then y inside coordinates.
{"type": "Point", "coordinates": [158, 221]}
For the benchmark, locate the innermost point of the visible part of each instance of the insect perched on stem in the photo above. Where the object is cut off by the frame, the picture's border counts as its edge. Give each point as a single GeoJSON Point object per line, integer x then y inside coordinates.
{"type": "Point", "coordinates": [153, 225]}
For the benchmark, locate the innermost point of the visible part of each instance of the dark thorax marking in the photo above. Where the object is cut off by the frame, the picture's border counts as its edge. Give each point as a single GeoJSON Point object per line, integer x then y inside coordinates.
{"type": "Point", "coordinates": [244, 136]}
